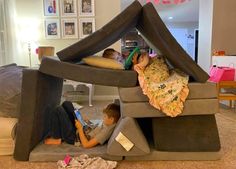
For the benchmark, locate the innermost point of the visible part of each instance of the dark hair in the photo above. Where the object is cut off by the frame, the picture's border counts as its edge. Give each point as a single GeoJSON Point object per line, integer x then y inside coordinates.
{"type": "Point", "coordinates": [108, 52]}
{"type": "Point", "coordinates": [112, 110]}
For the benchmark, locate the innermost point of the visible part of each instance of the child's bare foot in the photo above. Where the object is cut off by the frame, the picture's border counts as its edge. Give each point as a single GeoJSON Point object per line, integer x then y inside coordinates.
{"type": "Point", "coordinates": [52, 141]}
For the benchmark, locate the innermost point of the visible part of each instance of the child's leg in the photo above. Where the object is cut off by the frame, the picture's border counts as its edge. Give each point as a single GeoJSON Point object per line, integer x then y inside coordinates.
{"type": "Point", "coordinates": [68, 131]}
{"type": "Point", "coordinates": [55, 128]}
{"type": "Point", "coordinates": [52, 141]}
{"type": "Point", "coordinates": [54, 135]}
{"type": "Point", "coordinates": [69, 108]}
{"type": "Point", "coordinates": [61, 126]}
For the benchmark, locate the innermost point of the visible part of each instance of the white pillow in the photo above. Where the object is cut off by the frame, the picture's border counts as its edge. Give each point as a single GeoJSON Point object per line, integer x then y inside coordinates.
{"type": "Point", "coordinates": [99, 61]}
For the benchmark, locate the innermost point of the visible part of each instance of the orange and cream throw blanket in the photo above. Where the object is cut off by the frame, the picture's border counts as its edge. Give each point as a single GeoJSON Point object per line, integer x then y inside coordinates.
{"type": "Point", "coordinates": [166, 90]}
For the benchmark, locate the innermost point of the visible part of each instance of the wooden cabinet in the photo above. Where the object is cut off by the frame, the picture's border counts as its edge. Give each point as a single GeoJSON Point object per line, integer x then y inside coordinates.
{"type": "Point", "coordinates": [226, 91]}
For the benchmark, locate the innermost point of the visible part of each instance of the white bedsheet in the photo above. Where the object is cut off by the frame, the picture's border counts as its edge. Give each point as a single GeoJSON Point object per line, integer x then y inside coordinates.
{"type": "Point", "coordinates": [7, 127]}
{"type": "Point", "coordinates": [7, 135]}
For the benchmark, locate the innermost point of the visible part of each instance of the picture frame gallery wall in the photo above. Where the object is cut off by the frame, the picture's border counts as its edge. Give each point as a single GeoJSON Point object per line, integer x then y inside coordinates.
{"type": "Point", "coordinates": [68, 19]}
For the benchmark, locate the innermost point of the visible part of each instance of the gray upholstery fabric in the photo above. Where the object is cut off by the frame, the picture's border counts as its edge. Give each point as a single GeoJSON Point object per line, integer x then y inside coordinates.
{"type": "Point", "coordinates": [44, 152]}
{"type": "Point", "coordinates": [180, 156]}
{"type": "Point", "coordinates": [186, 134]}
{"type": "Point", "coordinates": [202, 90]}
{"type": "Point", "coordinates": [88, 74]}
{"type": "Point", "coordinates": [191, 107]}
{"type": "Point", "coordinates": [10, 90]}
{"type": "Point", "coordinates": [132, 94]}
{"type": "Point", "coordinates": [105, 36]}
{"type": "Point", "coordinates": [196, 91]}
{"type": "Point", "coordinates": [156, 34]}
{"type": "Point", "coordinates": [130, 128]}
{"type": "Point", "coordinates": [40, 94]}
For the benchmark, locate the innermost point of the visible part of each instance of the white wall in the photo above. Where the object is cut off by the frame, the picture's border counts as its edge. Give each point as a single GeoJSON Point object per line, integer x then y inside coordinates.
{"type": "Point", "coordinates": [216, 29]}
{"type": "Point", "coordinates": [224, 26]}
{"type": "Point", "coordinates": [205, 34]}
{"type": "Point", "coordinates": [30, 13]}
{"type": "Point", "coordinates": [189, 28]}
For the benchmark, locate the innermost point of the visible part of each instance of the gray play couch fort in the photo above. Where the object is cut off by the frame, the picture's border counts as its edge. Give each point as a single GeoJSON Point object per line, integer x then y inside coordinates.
{"type": "Point", "coordinates": [193, 135]}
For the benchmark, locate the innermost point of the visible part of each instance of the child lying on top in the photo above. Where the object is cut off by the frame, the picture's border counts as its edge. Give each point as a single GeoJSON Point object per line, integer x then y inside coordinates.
{"type": "Point", "coordinates": [129, 62]}
{"type": "Point", "coordinates": [64, 126]}
{"type": "Point", "coordinates": [166, 89]}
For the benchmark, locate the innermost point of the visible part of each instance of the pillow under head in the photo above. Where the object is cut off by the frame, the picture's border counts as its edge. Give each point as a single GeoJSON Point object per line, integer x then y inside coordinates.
{"type": "Point", "coordinates": [101, 62]}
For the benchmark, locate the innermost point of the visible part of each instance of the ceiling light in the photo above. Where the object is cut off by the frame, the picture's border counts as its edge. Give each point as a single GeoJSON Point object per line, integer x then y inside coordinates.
{"type": "Point", "coordinates": [170, 17]}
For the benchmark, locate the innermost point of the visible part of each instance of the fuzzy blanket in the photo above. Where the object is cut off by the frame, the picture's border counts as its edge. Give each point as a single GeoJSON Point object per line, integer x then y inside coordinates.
{"type": "Point", "coordinates": [10, 90]}
{"type": "Point", "coordinates": [166, 90]}
{"type": "Point", "coordinates": [85, 162]}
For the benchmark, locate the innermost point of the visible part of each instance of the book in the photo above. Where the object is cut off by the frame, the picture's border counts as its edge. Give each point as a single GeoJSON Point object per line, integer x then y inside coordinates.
{"type": "Point", "coordinates": [79, 117]}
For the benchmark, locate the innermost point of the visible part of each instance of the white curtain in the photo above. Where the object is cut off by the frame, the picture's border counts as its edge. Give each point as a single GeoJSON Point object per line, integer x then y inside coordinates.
{"type": "Point", "coordinates": [8, 40]}
{"type": "Point", "coordinates": [2, 34]}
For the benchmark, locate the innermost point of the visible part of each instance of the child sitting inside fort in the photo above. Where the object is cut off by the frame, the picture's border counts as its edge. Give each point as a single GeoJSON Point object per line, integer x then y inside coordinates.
{"type": "Point", "coordinates": [65, 127]}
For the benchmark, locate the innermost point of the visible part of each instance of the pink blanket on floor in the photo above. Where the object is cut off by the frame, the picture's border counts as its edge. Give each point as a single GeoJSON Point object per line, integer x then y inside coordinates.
{"type": "Point", "coordinates": [85, 162]}
{"type": "Point", "coordinates": [166, 90]}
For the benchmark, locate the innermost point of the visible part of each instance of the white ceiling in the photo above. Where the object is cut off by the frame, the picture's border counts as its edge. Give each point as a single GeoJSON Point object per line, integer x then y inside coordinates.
{"type": "Point", "coordinates": [184, 12]}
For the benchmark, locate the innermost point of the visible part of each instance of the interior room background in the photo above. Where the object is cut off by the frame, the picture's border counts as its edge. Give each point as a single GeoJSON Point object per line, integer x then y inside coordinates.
{"type": "Point", "coordinates": [216, 31]}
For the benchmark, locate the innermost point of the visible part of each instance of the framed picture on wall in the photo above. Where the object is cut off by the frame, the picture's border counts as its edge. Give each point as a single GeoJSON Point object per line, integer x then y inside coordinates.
{"type": "Point", "coordinates": [86, 26]}
{"type": "Point", "coordinates": [51, 7]}
{"type": "Point", "coordinates": [68, 8]}
{"type": "Point", "coordinates": [86, 8]}
{"type": "Point", "coordinates": [69, 28]}
{"type": "Point", "coordinates": [52, 29]}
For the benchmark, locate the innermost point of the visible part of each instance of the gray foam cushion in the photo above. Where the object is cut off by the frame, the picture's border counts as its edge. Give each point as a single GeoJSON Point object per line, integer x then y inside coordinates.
{"type": "Point", "coordinates": [130, 128]}
{"type": "Point", "coordinates": [177, 156]}
{"type": "Point", "coordinates": [44, 152]}
{"type": "Point", "coordinates": [88, 74]}
{"type": "Point", "coordinates": [41, 93]}
{"type": "Point", "coordinates": [196, 91]}
{"type": "Point", "coordinates": [186, 134]}
{"type": "Point", "coordinates": [191, 107]}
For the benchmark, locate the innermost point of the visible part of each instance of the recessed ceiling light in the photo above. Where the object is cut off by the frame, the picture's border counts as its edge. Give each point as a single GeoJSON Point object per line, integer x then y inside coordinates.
{"type": "Point", "coordinates": [170, 17]}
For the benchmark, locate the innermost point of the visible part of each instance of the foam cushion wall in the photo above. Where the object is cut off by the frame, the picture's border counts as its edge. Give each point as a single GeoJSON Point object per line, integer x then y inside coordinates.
{"type": "Point", "coordinates": [197, 133]}
{"type": "Point", "coordinates": [88, 74]}
{"type": "Point", "coordinates": [130, 129]}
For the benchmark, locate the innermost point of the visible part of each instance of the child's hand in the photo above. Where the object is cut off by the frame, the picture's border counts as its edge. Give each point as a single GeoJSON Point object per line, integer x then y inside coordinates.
{"type": "Point", "coordinates": [143, 60]}
{"type": "Point", "coordinates": [78, 125]}
{"type": "Point", "coordinates": [85, 118]}
{"type": "Point", "coordinates": [142, 63]}
{"type": "Point", "coordinates": [135, 59]}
